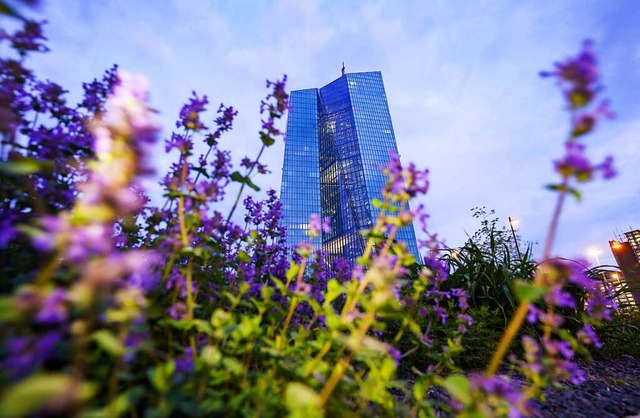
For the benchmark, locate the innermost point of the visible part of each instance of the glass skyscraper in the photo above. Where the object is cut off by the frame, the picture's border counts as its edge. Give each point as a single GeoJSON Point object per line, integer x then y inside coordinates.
{"type": "Point", "coordinates": [338, 140]}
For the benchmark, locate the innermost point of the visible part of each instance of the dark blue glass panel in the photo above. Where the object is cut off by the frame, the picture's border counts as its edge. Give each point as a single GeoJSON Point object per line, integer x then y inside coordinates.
{"type": "Point", "coordinates": [300, 190]}
{"type": "Point", "coordinates": [338, 138]}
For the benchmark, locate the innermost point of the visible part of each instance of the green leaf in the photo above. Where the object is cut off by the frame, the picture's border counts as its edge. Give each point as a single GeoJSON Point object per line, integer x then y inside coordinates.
{"type": "Point", "coordinates": [420, 388]}
{"type": "Point", "coordinates": [189, 324]}
{"type": "Point", "coordinates": [244, 257]}
{"type": "Point", "coordinates": [221, 318]}
{"type": "Point", "coordinates": [302, 401]}
{"type": "Point", "coordinates": [108, 342]}
{"type": "Point", "coordinates": [557, 187]}
{"type": "Point", "coordinates": [93, 213]}
{"type": "Point", "coordinates": [35, 392]}
{"type": "Point", "coordinates": [119, 406]}
{"type": "Point", "coordinates": [25, 166]}
{"type": "Point", "coordinates": [201, 170]}
{"type": "Point", "coordinates": [566, 189]}
{"type": "Point", "coordinates": [5, 9]}
{"type": "Point", "coordinates": [8, 311]}
{"type": "Point", "coordinates": [293, 271]}
{"type": "Point", "coordinates": [334, 289]}
{"type": "Point", "coordinates": [526, 291]}
{"type": "Point", "coordinates": [575, 193]}
{"type": "Point", "coordinates": [160, 376]}
{"type": "Point", "coordinates": [266, 139]}
{"type": "Point", "coordinates": [211, 355]}
{"type": "Point", "coordinates": [127, 400]}
{"type": "Point", "coordinates": [239, 178]}
{"type": "Point", "coordinates": [458, 386]}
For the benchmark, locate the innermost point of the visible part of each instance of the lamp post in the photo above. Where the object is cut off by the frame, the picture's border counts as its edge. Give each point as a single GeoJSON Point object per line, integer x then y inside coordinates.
{"type": "Point", "coordinates": [594, 251]}
{"type": "Point", "coordinates": [515, 239]}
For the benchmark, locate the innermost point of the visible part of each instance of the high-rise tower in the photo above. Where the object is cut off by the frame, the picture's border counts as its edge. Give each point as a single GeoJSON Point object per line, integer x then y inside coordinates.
{"type": "Point", "coordinates": [627, 255]}
{"type": "Point", "coordinates": [338, 139]}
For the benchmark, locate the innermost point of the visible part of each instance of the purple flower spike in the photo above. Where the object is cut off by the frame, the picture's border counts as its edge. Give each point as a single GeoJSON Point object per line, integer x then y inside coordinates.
{"type": "Point", "coordinates": [190, 113]}
{"type": "Point", "coordinates": [316, 225]}
{"type": "Point", "coordinates": [53, 309]}
{"type": "Point", "coordinates": [578, 75]}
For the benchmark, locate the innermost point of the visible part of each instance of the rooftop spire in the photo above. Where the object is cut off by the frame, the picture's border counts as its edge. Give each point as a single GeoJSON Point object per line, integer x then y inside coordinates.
{"type": "Point", "coordinates": [343, 69]}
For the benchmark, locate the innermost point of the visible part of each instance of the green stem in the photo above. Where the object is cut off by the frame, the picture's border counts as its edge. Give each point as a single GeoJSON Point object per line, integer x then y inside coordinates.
{"type": "Point", "coordinates": [235, 204]}
{"type": "Point", "coordinates": [47, 272]}
{"type": "Point", "coordinates": [521, 313]}
{"type": "Point", "coordinates": [507, 337]}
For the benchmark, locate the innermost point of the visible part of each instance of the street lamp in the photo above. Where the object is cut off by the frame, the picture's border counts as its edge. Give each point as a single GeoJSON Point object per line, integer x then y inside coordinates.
{"type": "Point", "coordinates": [594, 251]}
{"type": "Point", "coordinates": [513, 222]}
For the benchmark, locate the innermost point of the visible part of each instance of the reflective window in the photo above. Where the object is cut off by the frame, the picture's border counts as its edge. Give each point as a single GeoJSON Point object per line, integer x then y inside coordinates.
{"type": "Point", "coordinates": [338, 138]}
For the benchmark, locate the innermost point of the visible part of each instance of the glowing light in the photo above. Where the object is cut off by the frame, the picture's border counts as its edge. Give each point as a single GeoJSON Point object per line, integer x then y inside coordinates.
{"type": "Point", "coordinates": [594, 251]}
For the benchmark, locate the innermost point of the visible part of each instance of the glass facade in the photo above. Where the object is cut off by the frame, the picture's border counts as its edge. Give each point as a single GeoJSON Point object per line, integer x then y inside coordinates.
{"type": "Point", "coordinates": [633, 237]}
{"type": "Point", "coordinates": [338, 140]}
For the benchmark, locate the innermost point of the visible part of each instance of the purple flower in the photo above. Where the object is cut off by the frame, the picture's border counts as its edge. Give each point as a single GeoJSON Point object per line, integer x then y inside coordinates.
{"type": "Point", "coordinates": [585, 122]}
{"type": "Point", "coordinates": [566, 369]}
{"type": "Point", "coordinates": [184, 363]}
{"type": "Point", "coordinates": [464, 320]}
{"type": "Point", "coordinates": [96, 92]}
{"type": "Point", "coordinates": [559, 298]}
{"type": "Point", "coordinates": [578, 75]}
{"type": "Point", "coordinates": [179, 142]}
{"type": "Point", "coordinates": [575, 164]}
{"type": "Point", "coordinates": [224, 123]}
{"type": "Point", "coordinates": [607, 168]}
{"type": "Point", "coordinates": [304, 249]}
{"type": "Point", "coordinates": [588, 336]}
{"type": "Point", "coordinates": [404, 183]}
{"type": "Point", "coordinates": [190, 113]}
{"type": "Point", "coordinates": [53, 309]}
{"type": "Point", "coordinates": [178, 310]}
{"type": "Point", "coordinates": [316, 226]}
{"type": "Point", "coordinates": [29, 38]}
{"type": "Point", "coordinates": [275, 105]}
{"type": "Point", "coordinates": [554, 348]}
{"type": "Point", "coordinates": [395, 354]}
{"type": "Point", "coordinates": [78, 241]}
{"type": "Point", "coordinates": [7, 231]}
{"type": "Point", "coordinates": [132, 342]}
{"type": "Point", "coordinates": [515, 403]}
{"type": "Point", "coordinates": [27, 353]}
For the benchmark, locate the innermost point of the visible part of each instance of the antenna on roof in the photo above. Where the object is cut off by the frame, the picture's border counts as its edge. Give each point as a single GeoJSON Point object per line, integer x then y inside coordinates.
{"type": "Point", "coordinates": [343, 69]}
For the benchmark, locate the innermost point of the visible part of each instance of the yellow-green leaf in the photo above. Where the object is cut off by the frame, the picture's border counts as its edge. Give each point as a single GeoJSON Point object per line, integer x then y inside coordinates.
{"type": "Point", "coordinates": [38, 391]}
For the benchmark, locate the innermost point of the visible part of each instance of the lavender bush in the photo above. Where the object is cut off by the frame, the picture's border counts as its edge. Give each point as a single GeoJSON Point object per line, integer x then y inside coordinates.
{"type": "Point", "coordinates": [113, 306]}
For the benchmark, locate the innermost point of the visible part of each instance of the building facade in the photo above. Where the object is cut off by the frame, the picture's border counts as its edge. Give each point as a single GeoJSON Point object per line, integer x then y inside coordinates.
{"type": "Point", "coordinates": [621, 290]}
{"type": "Point", "coordinates": [338, 139]}
{"type": "Point", "coordinates": [628, 259]}
{"type": "Point", "coordinates": [633, 238]}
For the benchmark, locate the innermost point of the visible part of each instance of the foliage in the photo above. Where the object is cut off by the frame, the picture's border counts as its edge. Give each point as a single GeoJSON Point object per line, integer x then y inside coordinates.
{"type": "Point", "coordinates": [498, 241]}
{"type": "Point", "coordinates": [621, 335]}
{"type": "Point", "coordinates": [114, 306]}
{"type": "Point", "coordinates": [489, 274]}
{"type": "Point", "coordinates": [176, 310]}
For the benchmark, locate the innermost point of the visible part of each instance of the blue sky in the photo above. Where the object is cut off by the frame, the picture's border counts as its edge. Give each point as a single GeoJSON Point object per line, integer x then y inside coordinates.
{"type": "Point", "coordinates": [461, 80]}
